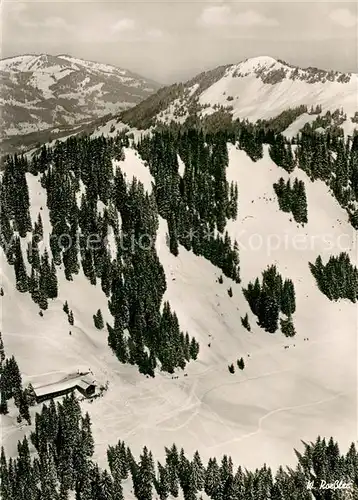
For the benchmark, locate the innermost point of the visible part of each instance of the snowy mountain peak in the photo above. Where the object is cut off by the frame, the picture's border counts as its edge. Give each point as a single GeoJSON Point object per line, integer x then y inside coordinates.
{"type": "Point", "coordinates": [256, 88]}
{"type": "Point", "coordinates": [273, 71]}
{"type": "Point", "coordinates": [36, 62]}
{"type": "Point", "coordinates": [41, 91]}
{"type": "Point", "coordinates": [29, 62]}
{"type": "Point", "coordinates": [253, 63]}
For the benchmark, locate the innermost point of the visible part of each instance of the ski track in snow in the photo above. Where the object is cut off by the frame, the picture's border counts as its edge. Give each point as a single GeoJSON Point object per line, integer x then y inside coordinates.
{"type": "Point", "coordinates": [273, 412]}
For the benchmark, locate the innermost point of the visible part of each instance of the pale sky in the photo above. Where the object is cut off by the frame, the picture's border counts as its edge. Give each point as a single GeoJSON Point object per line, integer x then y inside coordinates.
{"type": "Point", "coordinates": [171, 40]}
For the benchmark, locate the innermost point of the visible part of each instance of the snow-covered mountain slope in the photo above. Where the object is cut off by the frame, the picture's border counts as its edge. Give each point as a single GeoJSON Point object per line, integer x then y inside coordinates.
{"type": "Point", "coordinates": [39, 92]}
{"type": "Point", "coordinates": [257, 88]}
{"type": "Point", "coordinates": [256, 415]}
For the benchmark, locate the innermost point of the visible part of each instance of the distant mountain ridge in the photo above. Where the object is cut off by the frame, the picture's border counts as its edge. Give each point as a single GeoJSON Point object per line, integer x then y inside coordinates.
{"type": "Point", "coordinates": [46, 97]}
{"type": "Point", "coordinates": [39, 92]}
{"type": "Point", "coordinates": [257, 88]}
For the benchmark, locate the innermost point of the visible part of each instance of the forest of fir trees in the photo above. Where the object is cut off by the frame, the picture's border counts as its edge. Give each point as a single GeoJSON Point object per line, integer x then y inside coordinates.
{"type": "Point", "coordinates": [327, 155]}
{"type": "Point", "coordinates": [56, 463]}
{"type": "Point", "coordinates": [292, 199]}
{"type": "Point", "coordinates": [198, 204]}
{"type": "Point", "coordinates": [338, 279]}
{"type": "Point", "coordinates": [11, 387]}
{"type": "Point", "coordinates": [145, 332]}
{"type": "Point", "coordinates": [82, 168]}
{"type": "Point", "coordinates": [196, 208]}
{"type": "Point", "coordinates": [270, 298]}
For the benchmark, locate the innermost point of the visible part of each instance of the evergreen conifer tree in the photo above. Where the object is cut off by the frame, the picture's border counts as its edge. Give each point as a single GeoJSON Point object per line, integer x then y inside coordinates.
{"type": "Point", "coordinates": [287, 327]}
{"type": "Point", "coordinates": [241, 363]}
{"type": "Point", "coordinates": [20, 270]}
{"type": "Point", "coordinates": [98, 320]}
{"type": "Point", "coordinates": [30, 395]}
{"type": "Point", "coordinates": [245, 322]}
{"type": "Point", "coordinates": [24, 407]}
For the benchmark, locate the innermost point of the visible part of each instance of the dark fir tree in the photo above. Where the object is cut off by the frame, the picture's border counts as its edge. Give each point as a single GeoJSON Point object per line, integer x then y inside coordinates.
{"type": "Point", "coordinates": [287, 327]}
{"type": "Point", "coordinates": [20, 270]}
{"type": "Point", "coordinates": [245, 322]}
{"type": "Point", "coordinates": [70, 318]}
{"type": "Point", "coordinates": [98, 320]}
{"type": "Point", "coordinates": [241, 363]}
